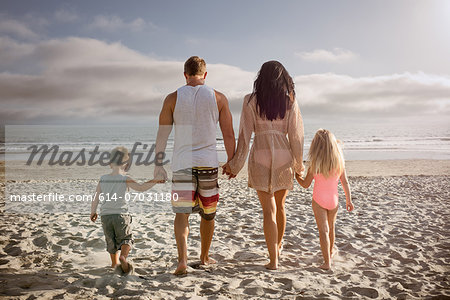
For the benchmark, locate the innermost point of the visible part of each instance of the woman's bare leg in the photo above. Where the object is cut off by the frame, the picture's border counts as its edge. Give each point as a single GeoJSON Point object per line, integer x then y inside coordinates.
{"type": "Point", "coordinates": [280, 197]}
{"type": "Point", "coordinates": [270, 227]}
{"type": "Point", "coordinates": [322, 224]}
{"type": "Point", "coordinates": [331, 216]}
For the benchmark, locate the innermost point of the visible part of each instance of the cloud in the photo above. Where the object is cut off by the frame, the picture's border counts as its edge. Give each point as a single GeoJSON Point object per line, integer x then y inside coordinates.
{"type": "Point", "coordinates": [16, 29]}
{"type": "Point", "coordinates": [86, 79]}
{"type": "Point", "coordinates": [112, 23]}
{"type": "Point", "coordinates": [12, 51]}
{"type": "Point", "coordinates": [66, 16]}
{"type": "Point", "coordinates": [337, 55]}
{"type": "Point", "coordinates": [81, 80]}
{"type": "Point", "coordinates": [391, 95]}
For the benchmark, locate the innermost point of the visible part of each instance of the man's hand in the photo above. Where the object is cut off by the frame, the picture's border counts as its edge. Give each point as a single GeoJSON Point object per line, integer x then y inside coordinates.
{"type": "Point", "coordinates": [94, 217]}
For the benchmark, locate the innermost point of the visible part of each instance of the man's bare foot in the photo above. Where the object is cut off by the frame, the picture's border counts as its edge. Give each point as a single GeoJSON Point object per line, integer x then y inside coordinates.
{"type": "Point", "coordinates": [181, 269]}
{"type": "Point", "coordinates": [271, 266]}
{"type": "Point", "coordinates": [325, 266]}
{"type": "Point", "coordinates": [124, 264]}
{"type": "Point", "coordinates": [207, 261]}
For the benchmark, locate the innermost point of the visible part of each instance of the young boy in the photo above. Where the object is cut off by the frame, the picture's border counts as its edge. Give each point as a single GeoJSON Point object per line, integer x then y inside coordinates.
{"type": "Point", "coordinates": [116, 220]}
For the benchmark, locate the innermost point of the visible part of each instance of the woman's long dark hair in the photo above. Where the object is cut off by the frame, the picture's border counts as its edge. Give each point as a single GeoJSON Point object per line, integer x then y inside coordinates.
{"type": "Point", "coordinates": [272, 88]}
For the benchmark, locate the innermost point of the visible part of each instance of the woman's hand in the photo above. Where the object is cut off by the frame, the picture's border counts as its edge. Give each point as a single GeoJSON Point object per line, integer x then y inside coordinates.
{"type": "Point", "coordinates": [226, 169]}
{"type": "Point", "coordinates": [349, 206]}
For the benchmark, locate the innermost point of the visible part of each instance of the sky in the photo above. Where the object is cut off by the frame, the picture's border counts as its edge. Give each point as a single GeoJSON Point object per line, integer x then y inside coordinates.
{"type": "Point", "coordinates": [113, 62]}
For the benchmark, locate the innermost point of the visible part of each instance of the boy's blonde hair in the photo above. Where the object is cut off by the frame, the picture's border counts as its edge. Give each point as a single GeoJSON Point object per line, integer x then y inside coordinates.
{"type": "Point", "coordinates": [325, 155]}
{"type": "Point", "coordinates": [119, 156]}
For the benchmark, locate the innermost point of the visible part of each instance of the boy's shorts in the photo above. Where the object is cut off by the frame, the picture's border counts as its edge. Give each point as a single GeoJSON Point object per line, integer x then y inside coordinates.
{"type": "Point", "coordinates": [117, 229]}
{"type": "Point", "coordinates": [197, 190]}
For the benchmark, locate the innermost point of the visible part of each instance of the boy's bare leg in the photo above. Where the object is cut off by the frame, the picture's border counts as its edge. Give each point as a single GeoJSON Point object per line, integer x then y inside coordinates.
{"type": "Point", "coordinates": [322, 224]}
{"type": "Point", "coordinates": [181, 226]}
{"type": "Point", "coordinates": [124, 250]}
{"type": "Point", "coordinates": [280, 197]}
{"type": "Point", "coordinates": [206, 235]}
{"type": "Point", "coordinates": [114, 259]}
{"type": "Point", "coordinates": [270, 227]}
{"type": "Point", "coordinates": [331, 215]}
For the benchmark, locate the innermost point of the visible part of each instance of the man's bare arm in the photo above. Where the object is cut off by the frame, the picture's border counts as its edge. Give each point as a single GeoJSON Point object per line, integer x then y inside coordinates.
{"type": "Point", "coordinates": [165, 127]}
{"type": "Point", "coordinates": [226, 124]}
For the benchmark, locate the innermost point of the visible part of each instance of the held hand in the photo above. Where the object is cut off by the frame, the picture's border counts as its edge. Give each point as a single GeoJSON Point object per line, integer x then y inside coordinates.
{"type": "Point", "coordinates": [303, 169]}
{"type": "Point", "coordinates": [349, 206]}
{"type": "Point", "coordinates": [226, 169]}
{"type": "Point", "coordinates": [94, 217]}
{"type": "Point", "coordinates": [160, 174]}
{"type": "Point", "coordinates": [158, 181]}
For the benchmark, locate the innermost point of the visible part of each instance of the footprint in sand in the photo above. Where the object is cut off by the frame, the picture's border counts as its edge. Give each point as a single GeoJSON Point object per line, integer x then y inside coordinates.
{"type": "Point", "coordinates": [287, 283]}
{"type": "Point", "coordinates": [11, 250]}
{"type": "Point", "coordinates": [367, 292]}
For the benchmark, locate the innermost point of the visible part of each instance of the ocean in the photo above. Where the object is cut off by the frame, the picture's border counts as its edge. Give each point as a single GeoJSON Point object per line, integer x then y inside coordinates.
{"type": "Point", "coordinates": [382, 140]}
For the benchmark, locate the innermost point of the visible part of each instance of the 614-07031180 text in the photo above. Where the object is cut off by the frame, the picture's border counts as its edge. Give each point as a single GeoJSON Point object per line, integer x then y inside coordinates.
{"type": "Point", "coordinates": [129, 197]}
{"type": "Point", "coordinates": [140, 197]}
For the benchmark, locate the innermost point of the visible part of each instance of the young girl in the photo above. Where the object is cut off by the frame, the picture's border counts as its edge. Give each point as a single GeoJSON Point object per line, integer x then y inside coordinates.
{"type": "Point", "coordinates": [326, 167]}
{"type": "Point", "coordinates": [116, 220]}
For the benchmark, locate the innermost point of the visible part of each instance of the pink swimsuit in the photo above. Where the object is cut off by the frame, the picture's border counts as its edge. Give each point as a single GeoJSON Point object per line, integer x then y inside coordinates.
{"type": "Point", "coordinates": [325, 191]}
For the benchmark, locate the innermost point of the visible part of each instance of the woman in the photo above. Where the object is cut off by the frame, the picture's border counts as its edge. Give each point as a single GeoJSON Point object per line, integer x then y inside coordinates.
{"type": "Point", "coordinates": [271, 112]}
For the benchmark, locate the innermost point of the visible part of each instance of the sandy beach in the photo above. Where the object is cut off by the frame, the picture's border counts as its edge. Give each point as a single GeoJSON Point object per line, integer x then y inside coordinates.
{"type": "Point", "coordinates": [395, 244]}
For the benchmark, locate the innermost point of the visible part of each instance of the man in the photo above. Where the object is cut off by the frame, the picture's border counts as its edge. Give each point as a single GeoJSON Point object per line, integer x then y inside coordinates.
{"type": "Point", "coordinates": [195, 109]}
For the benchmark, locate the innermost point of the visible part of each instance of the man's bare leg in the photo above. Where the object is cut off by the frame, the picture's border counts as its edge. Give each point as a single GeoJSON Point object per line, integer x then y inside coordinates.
{"type": "Point", "coordinates": [124, 250]}
{"type": "Point", "coordinates": [181, 226]}
{"type": "Point", "coordinates": [206, 235]}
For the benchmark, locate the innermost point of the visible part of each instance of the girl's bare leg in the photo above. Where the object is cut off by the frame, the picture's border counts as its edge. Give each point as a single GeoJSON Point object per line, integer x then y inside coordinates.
{"type": "Point", "coordinates": [270, 227]}
{"type": "Point", "coordinates": [322, 224]}
{"type": "Point", "coordinates": [331, 215]}
{"type": "Point", "coordinates": [280, 197]}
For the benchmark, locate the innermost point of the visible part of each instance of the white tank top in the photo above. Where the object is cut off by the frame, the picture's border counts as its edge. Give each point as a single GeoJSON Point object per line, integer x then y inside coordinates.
{"type": "Point", "coordinates": [195, 117]}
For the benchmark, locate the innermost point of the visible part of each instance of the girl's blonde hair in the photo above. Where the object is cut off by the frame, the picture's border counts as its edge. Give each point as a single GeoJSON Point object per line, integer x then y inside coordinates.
{"type": "Point", "coordinates": [119, 156]}
{"type": "Point", "coordinates": [325, 155]}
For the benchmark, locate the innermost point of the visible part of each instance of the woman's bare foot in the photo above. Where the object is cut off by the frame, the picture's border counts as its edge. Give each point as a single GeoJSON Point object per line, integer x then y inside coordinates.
{"type": "Point", "coordinates": [325, 266]}
{"type": "Point", "coordinates": [280, 248]}
{"type": "Point", "coordinates": [181, 269]}
{"type": "Point", "coordinates": [333, 252]}
{"type": "Point", "coordinates": [124, 264]}
{"type": "Point", "coordinates": [207, 261]}
{"type": "Point", "coordinates": [271, 266]}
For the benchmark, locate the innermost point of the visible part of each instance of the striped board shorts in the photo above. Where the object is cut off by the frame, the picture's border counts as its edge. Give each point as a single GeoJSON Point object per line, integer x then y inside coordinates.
{"type": "Point", "coordinates": [197, 190]}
